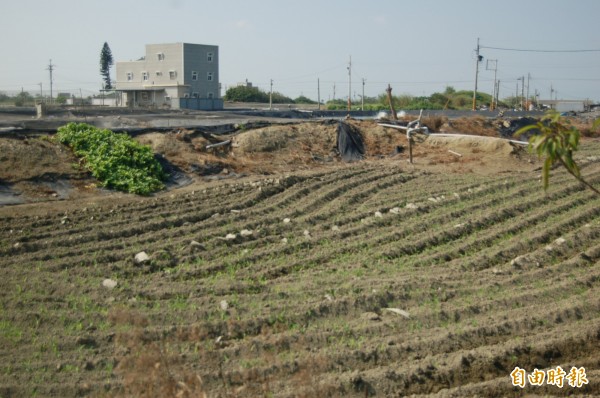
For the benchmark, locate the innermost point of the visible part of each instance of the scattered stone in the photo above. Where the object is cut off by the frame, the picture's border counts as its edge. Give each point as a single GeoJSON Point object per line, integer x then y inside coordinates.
{"type": "Point", "coordinates": [395, 210]}
{"type": "Point", "coordinates": [399, 312]}
{"type": "Point", "coordinates": [456, 195]}
{"type": "Point", "coordinates": [235, 211]}
{"type": "Point", "coordinates": [141, 258]}
{"type": "Point", "coordinates": [230, 236]}
{"type": "Point", "coordinates": [524, 261]}
{"type": "Point", "coordinates": [17, 245]}
{"type": "Point", "coordinates": [378, 214]}
{"type": "Point", "coordinates": [307, 233]}
{"type": "Point", "coordinates": [64, 220]}
{"type": "Point", "coordinates": [109, 283]}
{"type": "Point", "coordinates": [560, 241]}
{"type": "Point", "coordinates": [284, 240]}
{"type": "Point", "coordinates": [245, 232]}
{"type": "Point", "coordinates": [286, 220]}
{"type": "Point", "coordinates": [224, 305]}
{"type": "Point", "coordinates": [434, 200]}
{"type": "Point", "coordinates": [328, 297]}
{"type": "Point", "coordinates": [335, 228]}
{"type": "Point", "coordinates": [411, 206]}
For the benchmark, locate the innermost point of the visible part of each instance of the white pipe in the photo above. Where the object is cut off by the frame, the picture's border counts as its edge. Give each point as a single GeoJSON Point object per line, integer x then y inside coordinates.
{"type": "Point", "coordinates": [478, 136]}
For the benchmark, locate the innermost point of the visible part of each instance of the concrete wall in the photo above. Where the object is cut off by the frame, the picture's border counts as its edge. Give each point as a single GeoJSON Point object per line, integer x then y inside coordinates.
{"type": "Point", "coordinates": [201, 104]}
{"type": "Point", "coordinates": [201, 59]}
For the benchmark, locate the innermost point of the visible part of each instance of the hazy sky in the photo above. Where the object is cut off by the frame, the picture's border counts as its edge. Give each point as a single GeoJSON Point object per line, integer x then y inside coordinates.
{"type": "Point", "coordinates": [418, 46]}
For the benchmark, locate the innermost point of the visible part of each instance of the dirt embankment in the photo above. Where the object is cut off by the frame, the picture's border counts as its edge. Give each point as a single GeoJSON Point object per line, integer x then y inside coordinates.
{"type": "Point", "coordinates": [37, 168]}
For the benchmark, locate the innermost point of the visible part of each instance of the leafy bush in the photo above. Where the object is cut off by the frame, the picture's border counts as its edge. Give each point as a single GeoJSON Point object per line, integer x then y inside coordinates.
{"type": "Point", "coordinates": [254, 94]}
{"type": "Point", "coordinates": [116, 160]}
{"type": "Point", "coordinates": [304, 100]}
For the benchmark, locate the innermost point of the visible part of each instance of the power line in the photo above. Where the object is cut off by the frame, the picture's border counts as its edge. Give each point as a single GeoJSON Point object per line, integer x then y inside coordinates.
{"type": "Point", "coordinates": [541, 51]}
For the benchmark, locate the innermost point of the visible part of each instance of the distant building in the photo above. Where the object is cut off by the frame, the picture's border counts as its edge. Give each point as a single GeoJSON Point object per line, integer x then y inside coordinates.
{"type": "Point", "coordinates": [567, 105]}
{"type": "Point", "coordinates": [245, 84]}
{"type": "Point", "coordinates": [176, 76]}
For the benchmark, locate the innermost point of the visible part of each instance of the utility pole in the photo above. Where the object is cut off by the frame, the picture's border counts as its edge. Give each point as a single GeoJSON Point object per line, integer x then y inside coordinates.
{"type": "Point", "coordinates": [50, 68]}
{"type": "Point", "coordinates": [271, 96]}
{"type": "Point", "coordinates": [527, 97]}
{"type": "Point", "coordinates": [41, 92]}
{"type": "Point", "coordinates": [478, 59]}
{"type": "Point", "coordinates": [333, 91]}
{"type": "Point", "coordinates": [495, 69]}
{"type": "Point", "coordinates": [497, 92]}
{"type": "Point", "coordinates": [362, 106]}
{"type": "Point", "coordinates": [319, 92]}
{"type": "Point", "coordinates": [350, 84]}
{"type": "Point", "coordinates": [522, 79]}
{"type": "Point", "coordinates": [522, 92]}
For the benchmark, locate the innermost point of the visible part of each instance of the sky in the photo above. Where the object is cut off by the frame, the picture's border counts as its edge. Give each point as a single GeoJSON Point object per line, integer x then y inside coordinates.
{"type": "Point", "coordinates": [418, 47]}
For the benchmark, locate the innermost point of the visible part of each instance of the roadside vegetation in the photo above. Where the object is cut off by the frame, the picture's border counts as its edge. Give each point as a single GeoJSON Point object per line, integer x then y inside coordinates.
{"type": "Point", "coordinates": [116, 160]}
{"type": "Point", "coordinates": [449, 99]}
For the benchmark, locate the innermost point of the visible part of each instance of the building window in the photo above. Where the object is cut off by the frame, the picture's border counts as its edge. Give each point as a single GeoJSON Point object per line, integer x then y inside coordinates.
{"type": "Point", "coordinates": [186, 95]}
{"type": "Point", "coordinates": [145, 76]}
{"type": "Point", "coordinates": [194, 75]}
{"type": "Point", "coordinates": [209, 76]}
{"type": "Point", "coordinates": [209, 57]}
{"type": "Point", "coordinates": [129, 76]}
{"type": "Point", "coordinates": [211, 95]}
{"type": "Point", "coordinates": [144, 96]}
{"type": "Point", "coordinates": [167, 98]}
{"type": "Point", "coordinates": [172, 74]}
{"type": "Point", "coordinates": [158, 73]}
{"type": "Point", "coordinates": [194, 95]}
{"type": "Point", "coordinates": [161, 56]}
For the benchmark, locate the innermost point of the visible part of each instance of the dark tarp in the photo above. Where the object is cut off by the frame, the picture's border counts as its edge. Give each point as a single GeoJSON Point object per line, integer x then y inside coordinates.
{"type": "Point", "coordinates": [510, 127]}
{"type": "Point", "coordinates": [350, 144]}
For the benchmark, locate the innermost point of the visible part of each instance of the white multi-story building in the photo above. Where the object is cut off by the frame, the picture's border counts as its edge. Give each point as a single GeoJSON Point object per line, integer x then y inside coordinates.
{"type": "Point", "coordinates": [175, 75]}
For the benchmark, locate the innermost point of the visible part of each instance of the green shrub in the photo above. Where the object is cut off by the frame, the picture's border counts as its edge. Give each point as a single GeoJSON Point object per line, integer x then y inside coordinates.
{"type": "Point", "coordinates": [116, 160]}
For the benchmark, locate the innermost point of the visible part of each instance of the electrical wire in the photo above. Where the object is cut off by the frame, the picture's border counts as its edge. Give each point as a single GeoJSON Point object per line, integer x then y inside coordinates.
{"type": "Point", "coordinates": [541, 51]}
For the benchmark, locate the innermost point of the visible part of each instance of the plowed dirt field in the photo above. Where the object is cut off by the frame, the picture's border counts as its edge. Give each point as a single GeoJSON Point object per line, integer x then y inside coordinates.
{"type": "Point", "coordinates": [372, 279]}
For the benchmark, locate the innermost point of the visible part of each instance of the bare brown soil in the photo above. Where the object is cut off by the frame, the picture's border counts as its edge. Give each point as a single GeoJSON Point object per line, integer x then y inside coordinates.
{"type": "Point", "coordinates": [308, 277]}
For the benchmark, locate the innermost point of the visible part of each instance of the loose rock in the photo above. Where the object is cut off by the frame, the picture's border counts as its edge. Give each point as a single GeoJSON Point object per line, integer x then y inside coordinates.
{"type": "Point", "coordinates": [224, 305]}
{"type": "Point", "coordinates": [141, 258]}
{"type": "Point", "coordinates": [109, 283]}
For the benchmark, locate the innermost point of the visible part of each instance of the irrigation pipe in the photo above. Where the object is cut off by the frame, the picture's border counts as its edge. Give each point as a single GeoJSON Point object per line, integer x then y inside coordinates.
{"type": "Point", "coordinates": [525, 143]}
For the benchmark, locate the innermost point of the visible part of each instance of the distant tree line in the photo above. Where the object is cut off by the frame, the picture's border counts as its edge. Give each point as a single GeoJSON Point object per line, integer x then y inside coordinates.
{"type": "Point", "coordinates": [449, 99]}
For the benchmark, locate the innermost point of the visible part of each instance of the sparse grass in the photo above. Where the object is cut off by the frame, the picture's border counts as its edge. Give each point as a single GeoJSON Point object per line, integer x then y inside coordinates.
{"type": "Point", "coordinates": [301, 314]}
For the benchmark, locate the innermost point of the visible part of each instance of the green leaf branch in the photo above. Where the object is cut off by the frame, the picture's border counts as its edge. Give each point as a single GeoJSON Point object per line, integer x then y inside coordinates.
{"type": "Point", "coordinates": [557, 142]}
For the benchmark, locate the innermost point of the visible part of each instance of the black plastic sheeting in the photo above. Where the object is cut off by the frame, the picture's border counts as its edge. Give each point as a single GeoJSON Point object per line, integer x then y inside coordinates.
{"type": "Point", "coordinates": [510, 127]}
{"type": "Point", "coordinates": [350, 143]}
